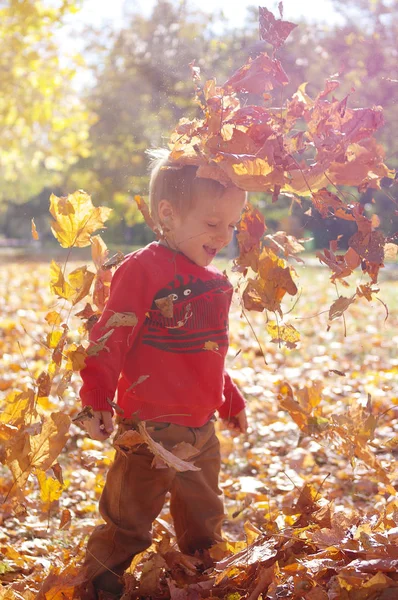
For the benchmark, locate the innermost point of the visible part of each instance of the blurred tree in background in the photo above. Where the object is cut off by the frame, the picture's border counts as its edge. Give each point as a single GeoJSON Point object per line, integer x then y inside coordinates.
{"type": "Point", "coordinates": [44, 125]}
{"type": "Point", "coordinates": [141, 86]}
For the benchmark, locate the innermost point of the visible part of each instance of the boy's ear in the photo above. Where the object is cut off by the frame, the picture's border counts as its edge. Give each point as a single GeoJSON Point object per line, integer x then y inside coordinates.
{"type": "Point", "coordinates": [165, 211]}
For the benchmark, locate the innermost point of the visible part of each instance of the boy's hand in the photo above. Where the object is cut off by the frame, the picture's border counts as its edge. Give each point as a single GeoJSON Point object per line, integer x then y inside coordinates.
{"type": "Point", "coordinates": [100, 426]}
{"type": "Point", "coordinates": [238, 422]}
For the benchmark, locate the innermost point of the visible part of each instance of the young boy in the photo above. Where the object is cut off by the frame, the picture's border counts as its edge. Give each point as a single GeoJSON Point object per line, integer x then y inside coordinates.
{"type": "Point", "coordinates": [168, 371]}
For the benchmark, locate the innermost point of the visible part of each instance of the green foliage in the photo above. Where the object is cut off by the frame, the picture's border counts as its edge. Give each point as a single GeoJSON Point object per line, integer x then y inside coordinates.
{"type": "Point", "coordinates": [143, 87]}
{"type": "Point", "coordinates": [43, 124]}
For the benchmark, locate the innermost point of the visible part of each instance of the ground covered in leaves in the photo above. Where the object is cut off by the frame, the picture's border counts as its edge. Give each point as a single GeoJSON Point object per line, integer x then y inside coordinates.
{"type": "Point", "coordinates": [310, 491]}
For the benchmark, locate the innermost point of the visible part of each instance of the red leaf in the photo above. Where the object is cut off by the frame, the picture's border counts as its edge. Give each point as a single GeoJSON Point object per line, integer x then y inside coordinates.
{"type": "Point", "coordinates": [274, 31]}
{"type": "Point", "coordinates": [258, 76]}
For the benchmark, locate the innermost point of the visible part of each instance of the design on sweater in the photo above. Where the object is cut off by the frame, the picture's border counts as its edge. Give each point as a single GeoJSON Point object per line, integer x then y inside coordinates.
{"type": "Point", "coordinates": [200, 314]}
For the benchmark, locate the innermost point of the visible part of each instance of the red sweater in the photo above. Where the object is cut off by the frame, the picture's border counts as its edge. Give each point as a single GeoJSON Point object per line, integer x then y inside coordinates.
{"type": "Point", "coordinates": [164, 368]}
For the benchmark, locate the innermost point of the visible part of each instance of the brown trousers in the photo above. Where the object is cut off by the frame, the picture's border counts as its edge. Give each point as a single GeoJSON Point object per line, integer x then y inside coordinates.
{"type": "Point", "coordinates": [134, 495]}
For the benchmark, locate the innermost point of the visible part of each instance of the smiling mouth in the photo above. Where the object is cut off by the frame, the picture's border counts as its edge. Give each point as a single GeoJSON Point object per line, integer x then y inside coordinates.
{"type": "Point", "coordinates": [210, 251]}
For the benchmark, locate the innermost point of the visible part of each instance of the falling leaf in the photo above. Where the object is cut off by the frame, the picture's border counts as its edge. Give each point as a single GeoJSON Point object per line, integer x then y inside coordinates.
{"type": "Point", "coordinates": [66, 519]}
{"type": "Point", "coordinates": [103, 277]}
{"type": "Point", "coordinates": [140, 380]}
{"type": "Point", "coordinates": [370, 246]}
{"type": "Point", "coordinates": [35, 235]}
{"type": "Point", "coordinates": [274, 31]}
{"type": "Point", "coordinates": [75, 287]}
{"type": "Point", "coordinates": [144, 209]}
{"type": "Point", "coordinates": [84, 415]}
{"type": "Point", "coordinates": [57, 470]}
{"type": "Point", "coordinates": [76, 219]}
{"type": "Point", "coordinates": [339, 307]}
{"type": "Point", "coordinates": [100, 344]}
{"type": "Point", "coordinates": [168, 457]}
{"type": "Point", "coordinates": [114, 261]}
{"type": "Point", "coordinates": [128, 440]}
{"type": "Point", "coordinates": [267, 290]}
{"type": "Point", "coordinates": [283, 333]}
{"type": "Point", "coordinates": [165, 305]}
{"type": "Point", "coordinates": [258, 76]}
{"type": "Point", "coordinates": [44, 383]}
{"type": "Point", "coordinates": [212, 346]}
{"type": "Point", "coordinates": [76, 357]}
{"type": "Point", "coordinates": [185, 451]}
{"type": "Point", "coordinates": [251, 228]}
{"type": "Point", "coordinates": [118, 409]}
{"type": "Point", "coordinates": [50, 488]}
{"type": "Point", "coordinates": [125, 319]}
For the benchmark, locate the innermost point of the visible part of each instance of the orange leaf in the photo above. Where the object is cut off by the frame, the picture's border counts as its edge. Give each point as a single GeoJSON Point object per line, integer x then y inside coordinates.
{"type": "Point", "coordinates": [339, 307]}
{"type": "Point", "coordinates": [168, 457]}
{"type": "Point", "coordinates": [144, 209]}
{"type": "Point", "coordinates": [165, 305]}
{"type": "Point", "coordinates": [35, 235]}
{"type": "Point", "coordinates": [76, 357]}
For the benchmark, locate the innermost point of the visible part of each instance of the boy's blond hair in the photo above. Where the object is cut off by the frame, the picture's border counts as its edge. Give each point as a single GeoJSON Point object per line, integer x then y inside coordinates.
{"type": "Point", "coordinates": [177, 183]}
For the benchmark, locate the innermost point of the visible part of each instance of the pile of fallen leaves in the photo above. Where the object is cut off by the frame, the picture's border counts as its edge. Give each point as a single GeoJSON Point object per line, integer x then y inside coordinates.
{"type": "Point", "coordinates": [310, 491]}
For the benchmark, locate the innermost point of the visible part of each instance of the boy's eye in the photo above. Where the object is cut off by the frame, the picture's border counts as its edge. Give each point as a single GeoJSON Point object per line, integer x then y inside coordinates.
{"type": "Point", "coordinates": [212, 225]}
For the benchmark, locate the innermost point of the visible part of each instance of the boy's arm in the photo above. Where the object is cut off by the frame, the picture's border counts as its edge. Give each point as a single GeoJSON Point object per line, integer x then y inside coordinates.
{"type": "Point", "coordinates": [101, 373]}
{"type": "Point", "coordinates": [233, 409]}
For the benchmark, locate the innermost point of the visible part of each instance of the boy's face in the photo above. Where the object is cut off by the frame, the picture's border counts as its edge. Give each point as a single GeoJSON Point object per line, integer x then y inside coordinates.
{"type": "Point", "coordinates": [208, 227]}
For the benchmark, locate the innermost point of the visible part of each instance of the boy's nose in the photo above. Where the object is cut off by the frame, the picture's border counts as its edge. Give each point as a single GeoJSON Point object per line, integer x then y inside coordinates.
{"type": "Point", "coordinates": [223, 236]}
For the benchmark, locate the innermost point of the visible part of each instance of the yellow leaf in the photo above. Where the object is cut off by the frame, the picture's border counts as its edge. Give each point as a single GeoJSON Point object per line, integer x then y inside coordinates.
{"type": "Point", "coordinates": [58, 285]}
{"type": "Point", "coordinates": [50, 488]}
{"type": "Point", "coordinates": [80, 280]}
{"type": "Point", "coordinates": [53, 339]}
{"type": "Point", "coordinates": [75, 288]}
{"type": "Point", "coordinates": [46, 446]}
{"type": "Point", "coordinates": [76, 219]}
{"type": "Point", "coordinates": [99, 251]}
{"type": "Point", "coordinates": [283, 332]}
{"type": "Point", "coordinates": [258, 167]}
{"type": "Point", "coordinates": [53, 318]}
{"type": "Point", "coordinates": [16, 406]}
{"type": "Point", "coordinates": [16, 557]}
{"type": "Point", "coordinates": [76, 358]}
